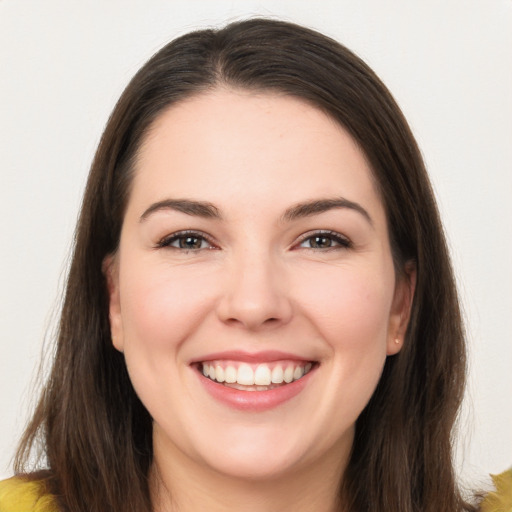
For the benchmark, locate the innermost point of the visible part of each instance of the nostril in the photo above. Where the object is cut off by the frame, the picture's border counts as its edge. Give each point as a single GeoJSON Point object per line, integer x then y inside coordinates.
{"type": "Point", "coordinates": [253, 321]}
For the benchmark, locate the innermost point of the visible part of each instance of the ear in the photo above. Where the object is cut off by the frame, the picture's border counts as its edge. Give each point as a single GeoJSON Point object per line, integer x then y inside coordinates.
{"type": "Point", "coordinates": [401, 308]}
{"type": "Point", "coordinates": [110, 270]}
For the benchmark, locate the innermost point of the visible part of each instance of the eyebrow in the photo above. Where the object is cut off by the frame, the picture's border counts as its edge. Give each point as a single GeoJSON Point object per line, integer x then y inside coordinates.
{"type": "Point", "coordinates": [209, 211]}
{"type": "Point", "coordinates": [318, 206]}
{"type": "Point", "coordinates": [195, 208]}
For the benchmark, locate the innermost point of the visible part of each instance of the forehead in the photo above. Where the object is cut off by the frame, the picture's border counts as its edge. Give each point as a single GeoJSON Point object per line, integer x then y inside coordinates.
{"type": "Point", "coordinates": [231, 146]}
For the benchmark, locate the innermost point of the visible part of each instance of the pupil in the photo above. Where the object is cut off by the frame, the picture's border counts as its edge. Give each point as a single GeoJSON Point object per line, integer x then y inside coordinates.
{"type": "Point", "coordinates": [321, 242]}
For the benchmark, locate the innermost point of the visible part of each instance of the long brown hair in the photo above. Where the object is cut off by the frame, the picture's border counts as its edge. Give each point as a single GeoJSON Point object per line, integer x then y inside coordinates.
{"type": "Point", "coordinates": [97, 435]}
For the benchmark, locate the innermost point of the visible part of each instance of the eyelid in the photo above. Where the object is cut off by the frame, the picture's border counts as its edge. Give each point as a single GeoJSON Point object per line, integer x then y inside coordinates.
{"type": "Point", "coordinates": [342, 241]}
{"type": "Point", "coordinates": [165, 241]}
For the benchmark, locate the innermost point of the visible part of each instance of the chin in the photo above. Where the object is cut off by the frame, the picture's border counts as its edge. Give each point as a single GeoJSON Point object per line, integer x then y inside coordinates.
{"type": "Point", "coordinates": [256, 467]}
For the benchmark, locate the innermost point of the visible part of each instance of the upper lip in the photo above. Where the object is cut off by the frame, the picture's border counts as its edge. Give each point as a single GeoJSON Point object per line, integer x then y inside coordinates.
{"type": "Point", "coordinates": [265, 356]}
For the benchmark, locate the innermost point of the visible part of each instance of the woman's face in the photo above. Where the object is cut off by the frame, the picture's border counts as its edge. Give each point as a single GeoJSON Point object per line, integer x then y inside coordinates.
{"type": "Point", "coordinates": [254, 250]}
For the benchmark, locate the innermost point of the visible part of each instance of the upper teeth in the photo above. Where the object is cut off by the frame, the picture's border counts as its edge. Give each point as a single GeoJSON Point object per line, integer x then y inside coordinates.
{"type": "Point", "coordinates": [259, 375]}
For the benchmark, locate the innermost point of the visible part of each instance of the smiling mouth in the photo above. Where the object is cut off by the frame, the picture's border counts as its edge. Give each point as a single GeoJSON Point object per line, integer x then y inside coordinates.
{"type": "Point", "coordinates": [255, 377]}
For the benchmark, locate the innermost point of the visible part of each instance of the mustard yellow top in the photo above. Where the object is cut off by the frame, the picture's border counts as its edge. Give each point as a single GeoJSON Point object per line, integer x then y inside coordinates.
{"type": "Point", "coordinates": [501, 499]}
{"type": "Point", "coordinates": [21, 495]}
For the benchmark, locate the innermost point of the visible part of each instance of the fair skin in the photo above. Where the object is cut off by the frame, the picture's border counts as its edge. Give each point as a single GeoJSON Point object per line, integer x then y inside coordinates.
{"type": "Point", "coordinates": [254, 239]}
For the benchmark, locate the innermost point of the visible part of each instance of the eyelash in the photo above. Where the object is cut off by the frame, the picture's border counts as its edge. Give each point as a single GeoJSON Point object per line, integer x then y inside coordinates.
{"type": "Point", "coordinates": [181, 235]}
{"type": "Point", "coordinates": [340, 241]}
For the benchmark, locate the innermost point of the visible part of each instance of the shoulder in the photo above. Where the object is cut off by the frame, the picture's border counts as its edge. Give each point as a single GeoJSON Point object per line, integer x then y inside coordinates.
{"type": "Point", "coordinates": [499, 500]}
{"type": "Point", "coordinates": [20, 494]}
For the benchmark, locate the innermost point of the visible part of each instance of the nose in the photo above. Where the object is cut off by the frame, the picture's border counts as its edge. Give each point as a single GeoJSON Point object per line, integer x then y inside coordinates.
{"type": "Point", "coordinates": [255, 293]}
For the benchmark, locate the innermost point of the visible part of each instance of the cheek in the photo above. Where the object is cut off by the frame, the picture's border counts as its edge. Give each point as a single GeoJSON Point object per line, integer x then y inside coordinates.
{"type": "Point", "coordinates": [350, 306]}
{"type": "Point", "coordinates": [161, 308]}
{"type": "Point", "coordinates": [161, 305]}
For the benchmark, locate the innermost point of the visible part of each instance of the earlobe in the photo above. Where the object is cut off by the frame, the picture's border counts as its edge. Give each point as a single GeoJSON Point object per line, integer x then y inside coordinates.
{"type": "Point", "coordinates": [401, 309]}
{"type": "Point", "coordinates": [111, 272]}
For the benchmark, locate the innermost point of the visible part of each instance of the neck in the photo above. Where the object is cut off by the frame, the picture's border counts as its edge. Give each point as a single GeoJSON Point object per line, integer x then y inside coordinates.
{"type": "Point", "coordinates": [180, 484]}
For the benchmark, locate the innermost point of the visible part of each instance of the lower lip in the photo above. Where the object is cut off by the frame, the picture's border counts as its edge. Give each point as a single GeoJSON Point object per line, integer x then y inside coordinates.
{"type": "Point", "coordinates": [254, 401]}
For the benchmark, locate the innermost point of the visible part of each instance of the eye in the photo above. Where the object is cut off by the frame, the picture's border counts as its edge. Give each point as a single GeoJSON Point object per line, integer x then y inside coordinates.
{"type": "Point", "coordinates": [325, 240]}
{"type": "Point", "coordinates": [186, 240]}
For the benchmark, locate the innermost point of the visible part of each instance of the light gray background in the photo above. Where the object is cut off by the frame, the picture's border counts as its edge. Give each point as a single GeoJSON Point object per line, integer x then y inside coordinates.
{"type": "Point", "coordinates": [64, 63]}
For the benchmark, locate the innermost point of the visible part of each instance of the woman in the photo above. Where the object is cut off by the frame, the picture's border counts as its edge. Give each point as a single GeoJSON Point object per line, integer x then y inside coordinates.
{"type": "Point", "coordinates": [260, 312]}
